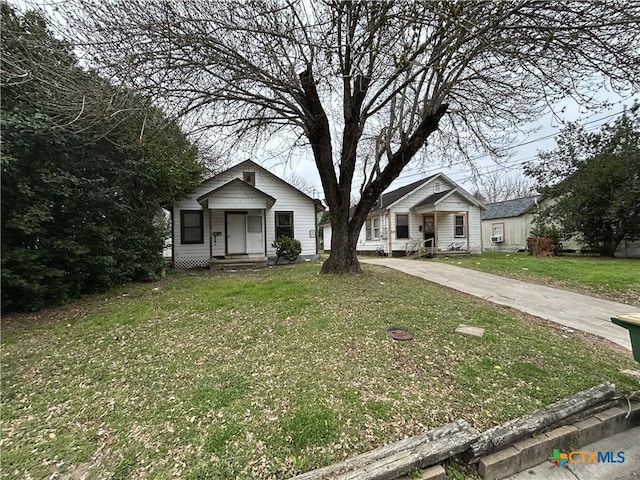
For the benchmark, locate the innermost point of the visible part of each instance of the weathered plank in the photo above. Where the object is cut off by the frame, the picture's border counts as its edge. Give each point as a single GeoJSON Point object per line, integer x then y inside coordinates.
{"type": "Point", "coordinates": [510, 432]}
{"type": "Point", "coordinates": [437, 444]}
{"type": "Point", "coordinates": [615, 401]}
{"type": "Point", "coordinates": [420, 456]}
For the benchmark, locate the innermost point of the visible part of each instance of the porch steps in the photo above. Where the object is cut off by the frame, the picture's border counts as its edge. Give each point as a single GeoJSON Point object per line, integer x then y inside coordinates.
{"type": "Point", "coordinates": [246, 263]}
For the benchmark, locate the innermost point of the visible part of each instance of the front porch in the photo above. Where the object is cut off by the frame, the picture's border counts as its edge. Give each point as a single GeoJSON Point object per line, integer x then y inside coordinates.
{"type": "Point", "coordinates": [442, 231]}
{"type": "Point", "coordinates": [428, 249]}
{"type": "Point", "coordinates": [237, 218]}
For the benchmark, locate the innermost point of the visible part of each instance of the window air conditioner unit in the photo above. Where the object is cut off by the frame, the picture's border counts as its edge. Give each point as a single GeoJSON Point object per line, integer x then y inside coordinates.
{"type": "Point", "coordinates": [497, 239]}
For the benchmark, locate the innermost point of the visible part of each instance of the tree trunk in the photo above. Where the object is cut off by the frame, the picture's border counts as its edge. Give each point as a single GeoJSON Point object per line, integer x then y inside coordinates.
{"type": "Point", "coordinates": [343, 258]}
{"type": "Point", "coordinates": [610, 246]}
{"type": "Point", "coordinates": [346, 228]}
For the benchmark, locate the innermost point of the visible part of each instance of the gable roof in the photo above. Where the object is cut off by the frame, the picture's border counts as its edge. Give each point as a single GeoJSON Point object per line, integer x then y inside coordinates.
{"type": "Point", "coordinates": [386, 199]}
{"type": "Point", "coordinates": [242, 183]}
{"type": "Point", "coordinates": [433, 199]}
{"type": "Point", "coordinates": [251, 164]}
{"type": "Point", "coordinates": [509, 208]}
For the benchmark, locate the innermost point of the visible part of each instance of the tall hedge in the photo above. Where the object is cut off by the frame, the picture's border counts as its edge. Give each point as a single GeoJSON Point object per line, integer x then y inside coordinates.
{"type": "Point", "coordinates": [85, 168]}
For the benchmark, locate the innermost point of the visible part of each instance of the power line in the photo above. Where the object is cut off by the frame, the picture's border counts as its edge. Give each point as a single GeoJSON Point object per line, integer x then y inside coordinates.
{"type": "Point", "coordinates": [507, 166]}
{"type": "Point", "coordinates": [521, 161]}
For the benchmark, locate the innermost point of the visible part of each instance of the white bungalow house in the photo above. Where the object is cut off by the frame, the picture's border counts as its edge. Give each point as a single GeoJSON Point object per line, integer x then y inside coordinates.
{"type": "Point", "coordinates": [233, 218]}
{"type": "Point", "coordinates": [435, 215]}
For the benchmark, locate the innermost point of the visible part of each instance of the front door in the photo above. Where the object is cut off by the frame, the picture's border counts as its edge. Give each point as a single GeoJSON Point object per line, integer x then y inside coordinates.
{"type": "Point", "coordinates": [236, 233]}
{"type": "Point", "coordinates": [429, 229]}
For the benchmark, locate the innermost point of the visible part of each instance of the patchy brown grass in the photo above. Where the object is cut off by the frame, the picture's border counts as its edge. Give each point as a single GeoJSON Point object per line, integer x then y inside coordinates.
{"type": "Point", "coordinates": [267, 374]}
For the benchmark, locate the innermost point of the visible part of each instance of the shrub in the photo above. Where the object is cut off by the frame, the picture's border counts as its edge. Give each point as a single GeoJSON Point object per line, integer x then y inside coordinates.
{"type": "Point", "coordinates": [288, 248]}
{"type": "Point", "coordinates": [540, 246]}
{"type": "Point", "coordinates": [543, 229]}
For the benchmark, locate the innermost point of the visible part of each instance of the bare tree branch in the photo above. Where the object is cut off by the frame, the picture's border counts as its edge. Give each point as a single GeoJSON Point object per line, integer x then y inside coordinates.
{"type": "Point", "coordinates": [377, 78]}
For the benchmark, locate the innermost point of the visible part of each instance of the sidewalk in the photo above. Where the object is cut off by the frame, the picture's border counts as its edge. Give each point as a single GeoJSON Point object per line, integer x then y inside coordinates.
{"type": "Point", "coordinates": [573, 310]}
{"type": "Point", "coordinates": [627, 442]}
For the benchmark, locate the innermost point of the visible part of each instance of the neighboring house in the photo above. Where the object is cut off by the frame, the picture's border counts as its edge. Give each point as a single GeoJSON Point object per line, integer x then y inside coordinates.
{"type": "Point", "coordinates": [434, 212]}
{"type": "Point", "coordinates": [506, 225]}
{"type": "Point", "coordinates": [235, 216]}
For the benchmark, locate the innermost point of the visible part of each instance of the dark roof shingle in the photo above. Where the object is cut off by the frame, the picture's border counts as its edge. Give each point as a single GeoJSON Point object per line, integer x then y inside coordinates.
{"type": "Point", "coordinates": [509, 208]}
{"type": "Point", "coordinates": [432, 199]}
{"type": "Point", "coordinates": [387, 199]}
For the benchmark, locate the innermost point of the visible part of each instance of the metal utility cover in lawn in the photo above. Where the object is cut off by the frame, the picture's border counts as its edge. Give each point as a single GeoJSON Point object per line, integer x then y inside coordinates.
{"type": "Point", "coordinates": [398, 333]}
{"type": "Point", "coordinates": [468, 330]}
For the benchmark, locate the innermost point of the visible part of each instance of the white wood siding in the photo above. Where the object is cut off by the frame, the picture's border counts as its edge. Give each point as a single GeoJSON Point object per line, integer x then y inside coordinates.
{"type": "Point", "coordinates": [287, 199]}
{"type": "Point", "coordinates": [446, 236]}
{"type": "Point", "coordinates": [236, 196]}
{"type": "Point", "coordinates": [474, 229]}
{"type": "Point", "coordinates": [516, 231]}
{"type": "Point", "coordinates": [195, 254]}
{"type": "Point", "coordinates": [403, 205]}
{"type": "Point", "coordinates": [374, 244]}
{"type": "Point", "coordinates": [217, 226]}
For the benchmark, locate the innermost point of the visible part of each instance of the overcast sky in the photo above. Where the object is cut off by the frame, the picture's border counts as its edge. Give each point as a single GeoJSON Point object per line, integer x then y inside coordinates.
{"type": "Point", "coordinates": [277, 158]}
{"type": "Point", "coordinates": [525, 148]}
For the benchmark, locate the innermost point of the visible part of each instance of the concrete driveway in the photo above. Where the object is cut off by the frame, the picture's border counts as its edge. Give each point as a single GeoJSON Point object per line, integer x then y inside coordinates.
{"type": "Point", "coordinates": [573, 310]}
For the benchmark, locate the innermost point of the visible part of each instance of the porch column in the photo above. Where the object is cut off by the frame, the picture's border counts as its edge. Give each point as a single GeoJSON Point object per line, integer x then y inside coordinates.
{"type": "Point", "coordinates": [389, 239]}
{"type": "Point", "coordinates": [210, 237]}
{"type": "Point", "coordinates": [264, 230]}
{"type": "Point", "coordinates": [467, 230]}
{"type": "Point", "coordinates": [435, 230]}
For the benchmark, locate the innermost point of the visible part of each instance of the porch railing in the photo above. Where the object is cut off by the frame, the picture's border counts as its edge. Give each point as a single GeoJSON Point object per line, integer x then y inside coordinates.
{"type": "Point", "coordinates": [410, 247]}
{"type": "Point", "coordinates": [427, 248]}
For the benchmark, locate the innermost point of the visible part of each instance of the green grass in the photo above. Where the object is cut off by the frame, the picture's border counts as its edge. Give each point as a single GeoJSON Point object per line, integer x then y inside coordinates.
{"type": "Point", "coordinates": [613, 278]}
{"type": "Point", "coordinates": [268, 374]}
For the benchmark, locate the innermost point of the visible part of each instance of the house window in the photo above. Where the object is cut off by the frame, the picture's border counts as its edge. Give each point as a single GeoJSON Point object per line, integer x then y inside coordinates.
{"type": "Point", "coordinates": [249, 177]}
{"type": "Point", "coordinates": [497, 230]}
{"type": "Point", "coordinates": [376, 228]}
{"type": "Point", "coordinates": [402, 225]}
{"type": "Point", "coordinates": [284, 224]}
{"type": "Point", "coordinates": [191, 229]}
{"type": "Point", "coordinates": [436, 187]}
{"type": "Point", "coordinates": [459, 226]}
{"type": "Point", "coordinates": [368, 229]}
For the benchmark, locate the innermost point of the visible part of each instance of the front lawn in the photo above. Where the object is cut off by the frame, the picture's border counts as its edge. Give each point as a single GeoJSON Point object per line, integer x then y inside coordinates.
{"type": "Point", "coordinates": [267, 374]}
{"type": "Point", "coordinates": [616, 279]}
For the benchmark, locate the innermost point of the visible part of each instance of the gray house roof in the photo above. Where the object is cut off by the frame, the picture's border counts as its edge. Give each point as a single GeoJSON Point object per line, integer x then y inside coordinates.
{"type": "Point", "coordinates": [509, 208]}
{"type": "Point", "coordinates": [387, 199]}
{"type": "Point", "coordinates": [432, 199]}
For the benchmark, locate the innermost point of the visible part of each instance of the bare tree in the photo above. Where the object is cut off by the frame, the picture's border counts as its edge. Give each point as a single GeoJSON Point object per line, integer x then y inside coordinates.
{"type": "Point", "coordinates": [301, 184]}
{"type": "Point", "coordinates": [348, 77]}
{"type": "Point", "coordinates": [499, 186]}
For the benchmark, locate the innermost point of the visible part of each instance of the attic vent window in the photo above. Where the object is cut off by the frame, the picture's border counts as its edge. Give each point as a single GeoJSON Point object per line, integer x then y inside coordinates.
{"type": "Point", "coordinates": [249, 177]}
{"type": "Point", "coordinates": [436, 187]}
